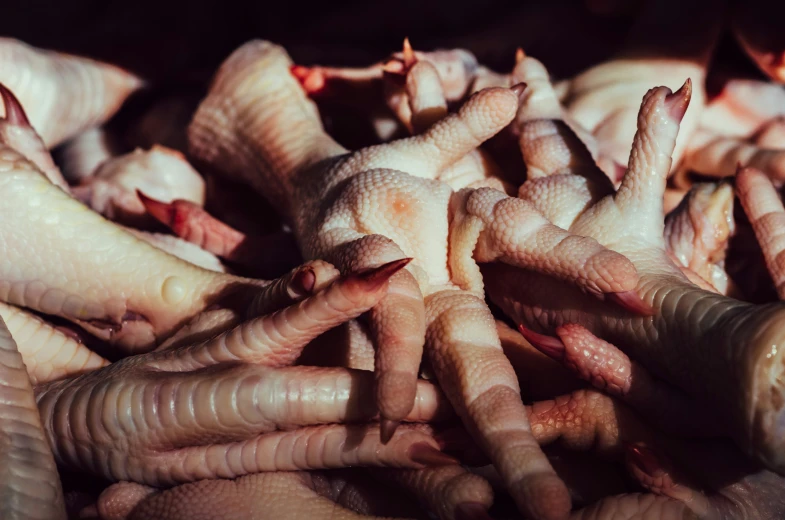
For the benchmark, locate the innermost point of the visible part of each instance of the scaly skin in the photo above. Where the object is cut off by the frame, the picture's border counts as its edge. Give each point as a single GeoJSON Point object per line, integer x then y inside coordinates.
{"type": "Point", "coordinates": [29, 483]}
{"type": "Point", "coordinates": [47, 352]}
{"type": "Point", "coordinates": [722, 352]}
{"type": "Point", "coordinates": [359, 209]}
{"type": "Point", "coordinates": [114, 285]}
{"type": "Point", "coordinates": [697, 234]}
{"type": "Point", "coordinates": [161, 173]}
{"type": "Point", "coordinates": [254, 413]}
{"type": "Point", "coordinates": [280, 495]}
{"type": "Point", "coordinates": [604, 99]}
{"type": "Point", "coordinates": [63, 94]}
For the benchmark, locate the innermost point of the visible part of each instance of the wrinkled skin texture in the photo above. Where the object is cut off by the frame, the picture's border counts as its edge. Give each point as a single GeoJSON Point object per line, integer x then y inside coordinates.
{"type": "Point", "coordinates": [255, 412]}
{"type": "Point", "coordinates": [605, 98]}
{"type": "Point", "coordinates": [334, 200]}
{"type": "Point", "coordinates": [29, 483]}
{"type": "Point", "coordinates": [697, 233]}
{"type": "Point", "coordinates": [675, 343]}
{"type": "Point", "coordinates": [63, 94]}
{"type": "Point", "coordinates": [48, 353]}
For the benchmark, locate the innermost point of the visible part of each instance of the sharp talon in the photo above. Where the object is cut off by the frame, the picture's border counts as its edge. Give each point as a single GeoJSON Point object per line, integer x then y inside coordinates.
{"type": "Point", "coordinates": [471, 511]}
{"type": "Point", "coordinates": [304, 281]}
{"type": "Point", "coordinates": [519, 55]}
{"type": "Point", "coordinates": [387, 429]}
{"type": "Point", "coordinates": [14, 113]}
{"type": "Point", "coordinates": [425, 454]}
{"type": "Point", "coordinates": [643, 458]}
{"type": "Point", "coordinates": [519, 88]}
{"type": "Point", "coordinates": [550, 346]}
{"type": "Point", "coordinates": [678, 101]}
{"type": "Point", "coordinates": [164, 212]}
{"type": "Point", "coordinates": [409, 58]}
{"type": "Point", "coordinates": [377, 276]}
{"type": "Point", "coordinates": [631, 301]}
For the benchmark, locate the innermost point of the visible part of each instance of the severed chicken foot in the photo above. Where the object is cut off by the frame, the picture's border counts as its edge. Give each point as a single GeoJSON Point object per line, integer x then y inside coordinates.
{"type": "Point", "coordinates": [723, 353]}
{"type": "Point", "coordinates": [29, 483]}
{"type": "Point", "coordinates": [231, 404]}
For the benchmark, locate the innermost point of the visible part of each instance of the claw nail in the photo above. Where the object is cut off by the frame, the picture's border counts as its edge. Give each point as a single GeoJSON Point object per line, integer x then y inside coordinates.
{"type": "Point", "coordinates": [519, 55]}
{"type": "Point", "coordinates": [377, 276]}
{"type": "Point", "coordinates": [471, 511]}
{"type": "Point", "coordinates": [387, 429]}
{"type": "Point", "coordinates": [304, 281]}
{"type": "Point", "coordinates": [677, 102]}
{"type": "Point", "coordinates": [312, 80]}
{"type": "Point", "coordinates": [550, 346]}
{"type": "Point", "coordinates": [408, 54]}
{"type": "Point", "coordinates": [519, 88]}
{"type": "Point", "coordinates": [631, 301]}
{"type": "Point", "coordinates": [644, 459]}
{"type": "Point", "coordinates": [14, 113]}
{"type": "Point", "coordinates": [425, 454]}
{"type": "Point", "coordinates": [161, 211]}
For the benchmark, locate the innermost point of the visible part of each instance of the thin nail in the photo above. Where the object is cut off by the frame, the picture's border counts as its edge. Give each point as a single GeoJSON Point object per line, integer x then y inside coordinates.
{"type": "Point", "coordinates": [304, 281]}
{"type": "Point", "coordinates": [631, 301]}
{"type": "Point", "coordinates": [375, 277]}
{"type": "Point", "coordinates": [678, 101]}
{"type": "Point", "coordinates": [519, 88]}
{"type": "Point", "coordinates": [163, 212]}
{"type": "Point", "coordinates": [425, 454]}
{"type": "Point", "coordinates": [519, 55]}
{"type": "Point", "coordinates": [549, 345]}
{"type": "Point", "coordinates": [644, 459]}
{"type": "Point", "coordinates": [408, 54]}
{"type": "Point", "coordinates": [471, 511]}
{"type": "Point", "coordinates": [14, 113]}
{"type": "Point", "coordinates": [387, 429]}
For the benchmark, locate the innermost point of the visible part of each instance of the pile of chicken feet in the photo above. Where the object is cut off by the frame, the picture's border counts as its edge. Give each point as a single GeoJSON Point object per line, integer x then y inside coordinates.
{"type": "Point", "coordinates": [515, 297]}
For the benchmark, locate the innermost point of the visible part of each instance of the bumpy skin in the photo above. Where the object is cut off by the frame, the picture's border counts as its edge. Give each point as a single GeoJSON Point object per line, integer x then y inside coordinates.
{"type": "Point", "coordinates": [699, 341]}
{"type": "Point", "coordinates": [604, 99]}
{"type": "Point", "coordinates": [63, 94]}
{"type": "Point", "coordinates": [29, 483]}
{"type": "Point", "coordinates": [743, 124]}
{"type": "Point", "coordinates": [254, 413]}
{"type": "Point", "coordinates": [697, 233]}
{"type": "Point", "coordinates": [161, 173]}
{"type": "Point", "coordinates": [360, 209]}
{"type": "Point", "coordinates": [48, 353]}
{"type": "Point", "coordinates": [109, 282]}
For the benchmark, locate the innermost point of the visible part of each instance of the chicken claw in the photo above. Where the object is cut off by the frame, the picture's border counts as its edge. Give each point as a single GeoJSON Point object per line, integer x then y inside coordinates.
{"type": "Point", "coordinates": [177, 425]}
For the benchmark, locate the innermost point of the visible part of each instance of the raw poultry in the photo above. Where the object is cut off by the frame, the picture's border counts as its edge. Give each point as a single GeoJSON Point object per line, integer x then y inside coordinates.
{"type": "Point", "coordinates": [486, 294]}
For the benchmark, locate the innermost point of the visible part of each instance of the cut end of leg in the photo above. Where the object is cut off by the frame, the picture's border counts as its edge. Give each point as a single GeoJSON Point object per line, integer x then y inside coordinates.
{"type": "Point", "coordinates": [677, 102]}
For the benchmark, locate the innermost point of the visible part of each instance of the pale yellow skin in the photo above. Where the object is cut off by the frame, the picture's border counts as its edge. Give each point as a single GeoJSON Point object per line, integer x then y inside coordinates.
{"type": "Point", "coordinates": [29, 483]}
{"type": "Point", "coordinates": [48, 353]}
{"type": "Point", "coordinates": [62, 94]}
{"type": "Point", "coordinates": [381, 203]}
{"type": "Point", "coordinates": [697, 340]}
